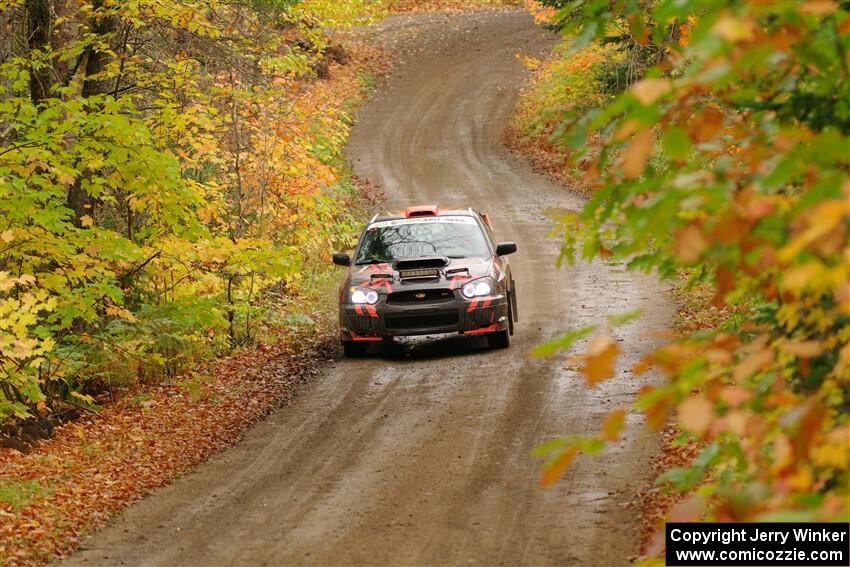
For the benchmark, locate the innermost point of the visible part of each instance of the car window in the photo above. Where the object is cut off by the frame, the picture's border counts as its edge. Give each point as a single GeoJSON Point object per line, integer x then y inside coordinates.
{"type": "Point", "coordinates": [489, 232]}
{"type": "Point", "coordinates": [402, 239]}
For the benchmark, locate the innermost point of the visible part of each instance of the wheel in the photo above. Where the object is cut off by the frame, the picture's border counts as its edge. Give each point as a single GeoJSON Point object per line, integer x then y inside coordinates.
{"type": "Point", "coordinates": [353, 349]}
{"type": "Point", "coordinates": [388, 345]}
{"type": "Point", "coordinates": [499, 339]}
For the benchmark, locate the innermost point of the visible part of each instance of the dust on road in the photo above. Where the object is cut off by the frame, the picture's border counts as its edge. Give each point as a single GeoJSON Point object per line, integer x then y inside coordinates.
{"type": "Point", "coordinates": [421, 456]}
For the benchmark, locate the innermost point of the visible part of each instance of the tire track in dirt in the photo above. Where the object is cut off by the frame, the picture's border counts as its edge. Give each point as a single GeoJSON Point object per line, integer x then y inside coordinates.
{"type": "Point", "coordinates": [421, 456]}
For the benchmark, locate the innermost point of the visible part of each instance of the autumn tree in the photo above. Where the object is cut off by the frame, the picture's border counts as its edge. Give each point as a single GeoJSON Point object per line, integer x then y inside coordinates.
{"type": "Point", "coordinates": [161, 183]}
{"type": "Point", "coordinates": [728, 160]}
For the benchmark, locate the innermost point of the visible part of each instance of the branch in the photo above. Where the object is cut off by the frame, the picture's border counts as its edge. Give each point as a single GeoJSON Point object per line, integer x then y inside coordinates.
{"type": "Point", "coordinates": [137, 268]}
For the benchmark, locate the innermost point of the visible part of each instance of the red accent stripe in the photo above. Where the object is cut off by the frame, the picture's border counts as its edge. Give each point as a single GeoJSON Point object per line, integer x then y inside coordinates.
{"type": "Point", "coordinates": [372, 311]}
{"type": "Point", "coordinates": [457, 281]}
{"type": "Point", "coordinates": [472, 305]}
{"type": "Point", "coordinates": [487, 303]}
{"type": "Point", "coordinates": [492, 328]}
{"type": "Point", "coordinates": [358, 309]}
{"type": "Point", "coordinates": [356, 337]}
{"type": "Point", "coordinates": [378, 283]}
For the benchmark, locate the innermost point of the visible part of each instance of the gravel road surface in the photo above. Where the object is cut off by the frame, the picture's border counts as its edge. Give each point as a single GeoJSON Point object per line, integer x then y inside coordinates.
{"type": "Point", "coordinates": [421, 456]}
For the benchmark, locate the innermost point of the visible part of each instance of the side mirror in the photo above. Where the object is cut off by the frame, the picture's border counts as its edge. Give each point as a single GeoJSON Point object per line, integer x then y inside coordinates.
{"type": "Point", "coordinates": [505, 248]}
{"type": "Point", "coordinates": [341, 259]}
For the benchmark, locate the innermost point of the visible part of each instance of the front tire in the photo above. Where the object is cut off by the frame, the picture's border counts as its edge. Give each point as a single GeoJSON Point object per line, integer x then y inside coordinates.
{"type": "Point", "coordinates": [499, 339]}
{"type": "Point", "coordinates": [353, 349]}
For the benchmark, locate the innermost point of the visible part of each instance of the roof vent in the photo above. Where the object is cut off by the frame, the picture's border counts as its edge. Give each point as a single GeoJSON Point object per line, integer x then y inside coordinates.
{"type": "Point", "coordinates": [421, 211]}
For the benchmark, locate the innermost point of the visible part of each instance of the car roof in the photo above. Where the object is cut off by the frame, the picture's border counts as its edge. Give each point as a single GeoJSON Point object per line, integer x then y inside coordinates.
{"type": "Point", "coordinates": [424, 211]}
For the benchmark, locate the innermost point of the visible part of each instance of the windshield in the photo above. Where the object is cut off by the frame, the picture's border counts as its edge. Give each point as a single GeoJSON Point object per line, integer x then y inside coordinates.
{"type": "Point", "coordinates": [404, 239]}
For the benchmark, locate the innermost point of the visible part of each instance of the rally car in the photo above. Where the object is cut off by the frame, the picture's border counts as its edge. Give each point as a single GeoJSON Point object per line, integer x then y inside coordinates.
{"type": "Point", "coordinates": [424, 271]}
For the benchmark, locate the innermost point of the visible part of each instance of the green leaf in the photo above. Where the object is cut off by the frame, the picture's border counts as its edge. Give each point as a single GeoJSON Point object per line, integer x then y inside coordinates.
{"type": "Point", "coordinates": [563, 342]}
{"type": "Point", "coordinates": [624, 318]}
{"type": "Point", "coordinates": [676, 143]}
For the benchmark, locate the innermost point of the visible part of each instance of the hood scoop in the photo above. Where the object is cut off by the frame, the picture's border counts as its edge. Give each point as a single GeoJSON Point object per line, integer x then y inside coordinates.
{"type": "Point", "coordinates": [418, 263]}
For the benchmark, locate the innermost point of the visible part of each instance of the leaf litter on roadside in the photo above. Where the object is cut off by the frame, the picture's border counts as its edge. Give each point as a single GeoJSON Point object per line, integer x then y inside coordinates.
{"type": "Point", "coordinates": [95, 466]}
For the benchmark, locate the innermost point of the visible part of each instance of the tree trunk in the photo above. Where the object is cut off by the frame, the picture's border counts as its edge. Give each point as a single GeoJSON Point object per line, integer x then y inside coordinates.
{"type": "Point", "coordinates": [39, 24]}
{"type": "Point", "coordinates": [79, 201]}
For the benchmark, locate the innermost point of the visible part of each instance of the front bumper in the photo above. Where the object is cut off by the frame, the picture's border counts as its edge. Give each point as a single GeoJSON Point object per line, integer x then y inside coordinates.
{"type": "Point", "coordinates": [457, 315]}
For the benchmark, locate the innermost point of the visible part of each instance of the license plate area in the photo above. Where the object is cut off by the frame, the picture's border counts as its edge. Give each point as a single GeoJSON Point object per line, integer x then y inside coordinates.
{"type": "Point", "coordinates": [421, 321]}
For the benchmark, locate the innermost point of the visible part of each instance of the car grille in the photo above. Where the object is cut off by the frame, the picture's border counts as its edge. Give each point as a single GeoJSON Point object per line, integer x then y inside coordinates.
{"type": "Point", "coordinates": [423, 321]}
{"type": "Point", "coordinates": [420, 296]}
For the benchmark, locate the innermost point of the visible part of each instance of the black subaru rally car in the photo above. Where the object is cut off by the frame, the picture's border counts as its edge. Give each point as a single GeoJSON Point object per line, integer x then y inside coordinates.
{"type": "Point", "coordinates": [426, 271]}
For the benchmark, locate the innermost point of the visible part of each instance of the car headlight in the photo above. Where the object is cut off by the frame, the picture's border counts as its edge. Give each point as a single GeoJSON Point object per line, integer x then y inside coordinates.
{"type": "Point", "coordinates": [361, 296]}
{"type": "Point", "coordinates": [478, 288]}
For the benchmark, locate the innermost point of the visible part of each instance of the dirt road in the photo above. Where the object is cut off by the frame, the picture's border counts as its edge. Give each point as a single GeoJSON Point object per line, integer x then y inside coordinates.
{"type": "Point", "coordinates": [421, 456]}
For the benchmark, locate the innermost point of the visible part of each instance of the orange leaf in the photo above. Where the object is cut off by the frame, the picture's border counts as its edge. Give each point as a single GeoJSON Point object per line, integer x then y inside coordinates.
{"type": "Point", "coordinates": [783, 453]}
{"type": "Point", "coordinates": [804, 349]}
{"type": "Point", "coordinates": [613, 425]}
{"type": "Point", "coordinates": [759, 208]}
{"type": "Point", "coordinates": [819, 7]}
{"type": "Point", "coordinates": [706, 126]}
{"type": "Point", "coordinates": [688, 510]}
{"type": "Point", "coordinates": [626, 129]}
{"type": "Point", "coordinates": [696, 414]}
{"type": "Point", "coordinates": [599, 360]}
{"type": "Point", "coordinates": [689, 243]}
{"type": "Point", "coordinates": [735, 395]}
{"type": "Point", "coordinates": [636, 154]}
{"type": "Point", "coordinates": [730, 229]}
{"type": "Point", "coordinates": [555, 470]}
{"type": "Point", "coordinates": [724, 283]}
{"type": "Point", "coordinates": [643, 366]}
{"type": "Point", "coordinates": [752, 364]}
{"type": "Point", "coordinates": [648, 91]}
{"type": "Point", "coordinates": [733, 29]}
{"type": "Point", "coordinates": [656, 414]}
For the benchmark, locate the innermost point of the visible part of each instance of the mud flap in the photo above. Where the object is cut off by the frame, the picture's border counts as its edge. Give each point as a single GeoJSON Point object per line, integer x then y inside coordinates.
{"type": "Point", "coordinates": [513, 301]}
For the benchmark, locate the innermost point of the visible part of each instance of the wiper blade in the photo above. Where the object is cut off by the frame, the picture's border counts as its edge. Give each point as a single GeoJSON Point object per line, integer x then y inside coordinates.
{"type": "Point", "coordinates": [373, 261]}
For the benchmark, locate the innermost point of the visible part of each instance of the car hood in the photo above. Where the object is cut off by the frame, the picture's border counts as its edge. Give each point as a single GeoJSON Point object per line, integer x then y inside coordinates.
{"type": "Point", "coordinates": [431, 272]}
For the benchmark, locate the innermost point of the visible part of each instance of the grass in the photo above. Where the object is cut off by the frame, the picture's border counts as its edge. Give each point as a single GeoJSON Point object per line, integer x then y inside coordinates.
{"type": "Point", "coordinates": [20, 494]}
